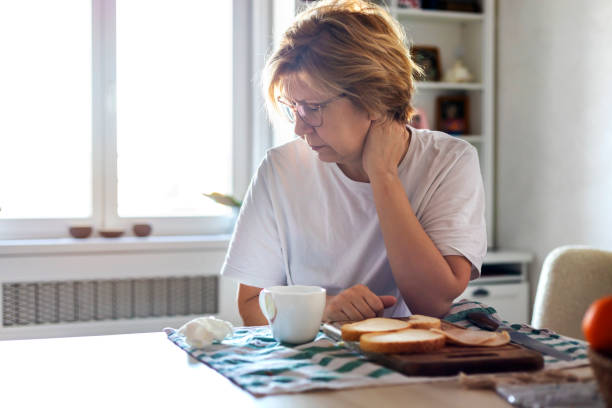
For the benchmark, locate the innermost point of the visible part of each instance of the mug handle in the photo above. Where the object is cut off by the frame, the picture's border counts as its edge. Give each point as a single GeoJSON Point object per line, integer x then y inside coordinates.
{"type": "Point", "coordinates": [267, 305]}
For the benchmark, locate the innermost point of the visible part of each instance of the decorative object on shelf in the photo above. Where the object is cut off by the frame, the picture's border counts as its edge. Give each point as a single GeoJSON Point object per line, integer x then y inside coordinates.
{"type": "Point", "coordinates": [224, 199]}
{"type": "Point", "coordinates": [458, 73]}
{"type": "Point", "coordinates": [428, 58]}
{"type": "Point", "coordinates": [453, 114]}
{"type": "Point", "coordinates": [471, 6]}
{"type": "Point", "coordinates": [142, 230]}
{"type": "Point", "coordinates": [110, 233]}
{"type": "Point", "coordinates": [409, 4]}
{"type": "Point", "coordinates": [80, 231]}
{"type": "Point", "coordinates": [419, 119]}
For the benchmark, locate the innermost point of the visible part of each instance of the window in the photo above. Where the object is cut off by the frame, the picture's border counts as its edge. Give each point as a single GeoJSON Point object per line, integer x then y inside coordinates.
{"type": "Point", "coordinates": [45, 100]}
{"type": "Point", "coordinates": [120, 111]}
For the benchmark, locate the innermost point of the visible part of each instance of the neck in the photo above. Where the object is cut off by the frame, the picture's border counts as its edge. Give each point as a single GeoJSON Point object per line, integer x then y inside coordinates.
{"type": "Point", "coordinates": [354, 171]}
{"type": "Point", "coordinates": [408, 139]}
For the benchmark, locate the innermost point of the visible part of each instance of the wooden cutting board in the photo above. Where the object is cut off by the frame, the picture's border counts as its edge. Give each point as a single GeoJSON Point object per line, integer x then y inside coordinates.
{"type": "Point", "coordinates": [452, 359]}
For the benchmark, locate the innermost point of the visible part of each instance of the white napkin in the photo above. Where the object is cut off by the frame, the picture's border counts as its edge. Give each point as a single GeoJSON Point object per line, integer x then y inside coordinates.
{"type": "Point", "coordinates": [201, 332]}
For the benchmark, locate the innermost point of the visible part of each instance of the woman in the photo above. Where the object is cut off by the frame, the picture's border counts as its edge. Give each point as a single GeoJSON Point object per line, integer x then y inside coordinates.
{"type": "Point", "coordinates": [389, 219]}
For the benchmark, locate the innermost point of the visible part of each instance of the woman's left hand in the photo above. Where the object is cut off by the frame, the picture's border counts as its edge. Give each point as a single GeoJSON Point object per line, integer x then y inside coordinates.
{"type": "Point", "coordinates": [385, 145]}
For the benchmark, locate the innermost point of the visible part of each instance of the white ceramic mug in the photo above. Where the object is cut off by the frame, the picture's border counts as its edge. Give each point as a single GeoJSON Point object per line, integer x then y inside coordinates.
{"type": "Point", "coordinates": [294, 312]}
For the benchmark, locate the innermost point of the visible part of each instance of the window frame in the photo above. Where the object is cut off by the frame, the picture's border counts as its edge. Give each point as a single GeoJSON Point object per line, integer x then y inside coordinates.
{"type": "Point", "coordinates": [250, 131]}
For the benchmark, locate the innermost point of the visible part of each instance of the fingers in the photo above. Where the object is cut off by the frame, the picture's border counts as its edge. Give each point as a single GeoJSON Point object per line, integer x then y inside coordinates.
{"type": "Point", "coordinates": [354, 312]}
{"type": "Point", "coordinates": [356, 303]}
{"type": "Point", "coordinates": [334, 316]}
{"type": "Point", "coordinates": [388, 300]}
{"type": "Point", "coordinates": [374, 302]}
{"type": "Point", "coordinates": [347, 305]}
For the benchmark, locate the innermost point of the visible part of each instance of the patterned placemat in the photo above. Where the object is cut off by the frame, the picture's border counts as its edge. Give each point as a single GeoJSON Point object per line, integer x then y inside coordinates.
{"type": "Point", "coordinates": [252, 359]}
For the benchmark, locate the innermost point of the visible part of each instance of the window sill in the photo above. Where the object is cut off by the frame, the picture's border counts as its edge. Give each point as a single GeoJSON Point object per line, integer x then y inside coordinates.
{"type": "Point", "coordinates": [125, 244]}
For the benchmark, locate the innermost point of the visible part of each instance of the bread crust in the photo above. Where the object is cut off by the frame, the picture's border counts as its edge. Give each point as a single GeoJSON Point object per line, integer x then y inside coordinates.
{"type": "Point", "coordinates": [412, 343]}
{"type": "Point", "coordinates": [353, 331]}
{"type": "Point", "coordinates": [424, 322]}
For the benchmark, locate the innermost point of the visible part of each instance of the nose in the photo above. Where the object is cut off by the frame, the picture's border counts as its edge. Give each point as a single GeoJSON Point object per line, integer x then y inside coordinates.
{"type": "Point", "coordinates": [301, 128]}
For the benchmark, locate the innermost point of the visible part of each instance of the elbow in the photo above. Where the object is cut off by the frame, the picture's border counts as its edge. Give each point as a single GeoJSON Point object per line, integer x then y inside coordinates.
{"type": "Point", "coordinates": [442, 308]}
{"type": "Point", "coordinates": [444, 304]}
{"type": "Point", "coordinates": [433, 307]}
{"type": "Point", "coordinates": [440, 303]}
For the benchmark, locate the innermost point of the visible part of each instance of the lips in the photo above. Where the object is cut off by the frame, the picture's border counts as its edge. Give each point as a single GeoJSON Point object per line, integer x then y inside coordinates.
{"type": "Point", "coordinates": [316, 148]}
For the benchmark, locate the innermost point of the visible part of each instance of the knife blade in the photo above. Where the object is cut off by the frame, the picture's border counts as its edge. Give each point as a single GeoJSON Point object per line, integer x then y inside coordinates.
{"type": "Point", "coordinates": [487, 322]}
{"type": "Point", "coordinates": [336, 334]}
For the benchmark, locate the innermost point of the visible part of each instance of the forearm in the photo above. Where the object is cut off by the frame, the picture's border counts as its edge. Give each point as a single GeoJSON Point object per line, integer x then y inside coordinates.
{"type": "Point", "coordinates": [251, 312]}
{"type": "Point", "coordinates": [425, 279]}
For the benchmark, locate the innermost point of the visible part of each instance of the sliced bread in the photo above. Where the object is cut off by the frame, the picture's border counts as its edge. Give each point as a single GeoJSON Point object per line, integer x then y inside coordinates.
{"type": "Point", "coordinates": [352, 331]}
{"type": "Point", "coordinates": [402, 341]}
{"type": "Point", "coordinates": [424, 322]}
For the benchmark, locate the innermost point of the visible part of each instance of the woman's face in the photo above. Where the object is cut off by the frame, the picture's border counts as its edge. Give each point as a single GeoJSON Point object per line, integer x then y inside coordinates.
{"type": "Point", "coordinates": [341, 137]}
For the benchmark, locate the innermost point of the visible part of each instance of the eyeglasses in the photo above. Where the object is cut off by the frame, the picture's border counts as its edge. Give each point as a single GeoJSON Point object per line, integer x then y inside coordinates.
{"type": "Point", "coordinates": [310, 113]}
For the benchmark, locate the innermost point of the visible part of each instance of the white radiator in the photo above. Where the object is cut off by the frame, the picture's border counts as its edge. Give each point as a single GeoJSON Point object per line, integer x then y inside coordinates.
{"type": "Point", "coordinates": [98, 286]}
{"type": "Point", "coordinates": [32, 303]}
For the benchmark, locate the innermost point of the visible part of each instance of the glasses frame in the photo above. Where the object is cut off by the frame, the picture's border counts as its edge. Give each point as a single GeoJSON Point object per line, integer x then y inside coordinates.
{"type": "Point", "coordinates": [292, 110]}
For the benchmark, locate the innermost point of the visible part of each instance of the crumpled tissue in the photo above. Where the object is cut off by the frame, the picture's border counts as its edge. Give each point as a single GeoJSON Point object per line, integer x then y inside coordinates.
{"type": "Point", "coordinates": [202, 331]}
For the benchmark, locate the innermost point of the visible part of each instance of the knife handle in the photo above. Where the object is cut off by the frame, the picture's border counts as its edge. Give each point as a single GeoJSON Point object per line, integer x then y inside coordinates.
{"type": "Point", "coordinates": [332, 331]}
{"type": "Point", "coordinates": [483, 320]}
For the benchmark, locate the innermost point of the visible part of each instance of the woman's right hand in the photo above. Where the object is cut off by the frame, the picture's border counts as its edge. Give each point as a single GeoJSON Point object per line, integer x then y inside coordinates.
{"type": "Point", "coordinates": [356, 303]}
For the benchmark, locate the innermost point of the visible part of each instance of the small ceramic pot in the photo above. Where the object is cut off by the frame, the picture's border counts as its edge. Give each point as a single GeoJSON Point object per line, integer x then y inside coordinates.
{"type": "Point", "coordinates": [80, 232]}
{"type": "Point", "coordinates": [110, 233]}
{"type": "Point", "coordinates": [142, 230]}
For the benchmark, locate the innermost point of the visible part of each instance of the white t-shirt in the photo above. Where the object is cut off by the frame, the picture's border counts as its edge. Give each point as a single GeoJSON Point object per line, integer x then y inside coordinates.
{"type": "Point", "coordinates": [304, 222]}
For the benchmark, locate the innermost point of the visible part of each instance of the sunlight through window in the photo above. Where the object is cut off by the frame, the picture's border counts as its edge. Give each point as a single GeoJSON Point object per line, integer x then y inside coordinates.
{"type": "Point", "coordinates": [174, 106]}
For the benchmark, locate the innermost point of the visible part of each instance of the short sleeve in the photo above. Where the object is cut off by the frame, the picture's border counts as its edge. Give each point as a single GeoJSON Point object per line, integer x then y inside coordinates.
{"type": "Point", "coordinates": [255, 256]}
{"type": "Point", "coordinates": [454, 218]}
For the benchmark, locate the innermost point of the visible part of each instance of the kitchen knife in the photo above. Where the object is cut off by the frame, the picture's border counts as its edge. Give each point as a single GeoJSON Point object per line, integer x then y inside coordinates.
{"type": "Point", "coordinates": [485, 321]}
{"type": "Point", "coordinates": [336, 334]}
{"type": "Point", "coordinates": [332, 331]}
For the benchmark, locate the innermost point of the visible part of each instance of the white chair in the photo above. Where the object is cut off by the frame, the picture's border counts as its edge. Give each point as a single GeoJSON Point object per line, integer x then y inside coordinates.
{"type": "Point", "coordinates": [572, 278]}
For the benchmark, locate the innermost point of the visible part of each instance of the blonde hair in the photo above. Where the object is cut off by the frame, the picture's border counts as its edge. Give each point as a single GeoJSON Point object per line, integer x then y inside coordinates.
{"type": "Point", "coordinates": [350, 47]}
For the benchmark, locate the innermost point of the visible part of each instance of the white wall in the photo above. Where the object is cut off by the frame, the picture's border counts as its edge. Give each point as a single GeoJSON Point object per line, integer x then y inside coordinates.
{"type": "Point", "coordinates": [554, 126]}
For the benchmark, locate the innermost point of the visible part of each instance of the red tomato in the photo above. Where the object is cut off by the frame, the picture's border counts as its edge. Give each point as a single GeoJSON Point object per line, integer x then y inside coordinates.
{"type": "Point", "coordinates": [597, 324]}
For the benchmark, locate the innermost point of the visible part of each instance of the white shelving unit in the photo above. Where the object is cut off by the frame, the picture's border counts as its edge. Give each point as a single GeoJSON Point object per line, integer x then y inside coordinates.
{"type": "Point", "coordinates": [420, 14]}
{"type": "Point", "coordinates": [469, 37]}
{"type": "Point", "coordinates": [449, 86]}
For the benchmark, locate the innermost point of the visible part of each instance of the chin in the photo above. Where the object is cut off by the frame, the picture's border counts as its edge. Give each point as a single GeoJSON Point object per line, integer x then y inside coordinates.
{"type": "Point", "coordinates": [327, 157]}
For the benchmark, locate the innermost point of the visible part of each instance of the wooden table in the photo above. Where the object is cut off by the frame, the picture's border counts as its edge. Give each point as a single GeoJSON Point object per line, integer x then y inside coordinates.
{"type": "Point", "coordinates": [147, 370]}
